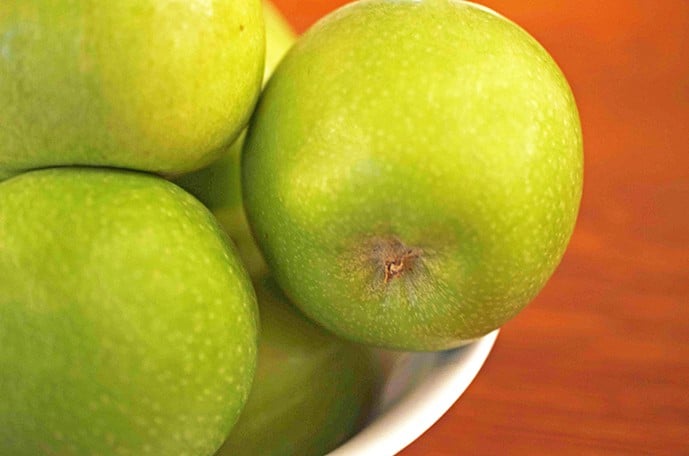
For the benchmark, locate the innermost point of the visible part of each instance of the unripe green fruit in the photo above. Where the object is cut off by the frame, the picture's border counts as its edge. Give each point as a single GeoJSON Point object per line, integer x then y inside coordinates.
{"type": "Point", "coordinates": [153, 85]}
{"type": "Point", "coordinates": [413, 172]}
{"type": "Point", "coordinates": [218, 185]}
{"type": "Point", "coordinates": [312, 390]}
{"type": "Point", "coordinates": [128, 325]}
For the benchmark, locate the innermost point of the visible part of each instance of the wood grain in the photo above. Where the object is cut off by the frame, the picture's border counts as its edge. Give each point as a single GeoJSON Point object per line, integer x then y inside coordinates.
{"type": "Point", "coordinates": [599, 362]}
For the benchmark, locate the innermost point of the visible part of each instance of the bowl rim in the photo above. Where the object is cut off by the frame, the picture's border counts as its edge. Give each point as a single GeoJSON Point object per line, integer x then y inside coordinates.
{"type": "Point", "coordinates": [416, 412]}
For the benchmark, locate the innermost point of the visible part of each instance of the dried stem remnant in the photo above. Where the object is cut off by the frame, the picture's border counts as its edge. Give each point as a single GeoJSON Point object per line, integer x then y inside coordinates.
{"type": "Point", "coordinates": [392, 258]}
{"type": "Point", "coordinates": [395, 267]}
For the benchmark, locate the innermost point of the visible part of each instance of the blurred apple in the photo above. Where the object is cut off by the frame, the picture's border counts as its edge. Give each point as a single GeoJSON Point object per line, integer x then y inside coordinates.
{"type": "Point", "coordinates": [312, 390]}
{"type": "Point", "coordinates": [218, 185]}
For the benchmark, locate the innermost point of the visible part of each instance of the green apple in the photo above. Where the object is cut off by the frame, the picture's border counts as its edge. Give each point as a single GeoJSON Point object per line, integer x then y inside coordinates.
{"type": "Point", "coordinates": [279, 38]}
{"type": "Point", "coordinates": [218, 185]}
{"type": "Point", "coordinates": [150, 84]}
{"type": "Point", "coordinates": [413, 172]}
{"type": "Point", "coordinates": [311, 391]}
{"type": "Point", "coordinates": [127, 324]}
{"type": "Point", "coordinates": [6, 174]}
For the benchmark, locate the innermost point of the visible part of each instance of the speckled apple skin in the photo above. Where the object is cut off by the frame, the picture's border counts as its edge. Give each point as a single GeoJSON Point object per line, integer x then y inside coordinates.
{"type": "Point", "coordinates": [436, 127]}
{"type": "Point", "coordinates": [218, 185]}
{"type": "Point", "coordinates": [127, 324]}
{"type": "Point", "coordinates": [152, 85]}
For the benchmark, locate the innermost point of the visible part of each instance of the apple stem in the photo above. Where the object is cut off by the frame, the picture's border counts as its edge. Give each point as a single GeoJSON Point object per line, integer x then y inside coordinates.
{"type": "Point", "coordinates": [393, 257]}
{"type": "Point", "coordinates": [395, 266]}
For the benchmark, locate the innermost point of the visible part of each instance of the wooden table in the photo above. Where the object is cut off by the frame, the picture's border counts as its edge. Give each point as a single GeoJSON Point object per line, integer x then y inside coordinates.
{"type": "Point", "coordinates": [599, 362]}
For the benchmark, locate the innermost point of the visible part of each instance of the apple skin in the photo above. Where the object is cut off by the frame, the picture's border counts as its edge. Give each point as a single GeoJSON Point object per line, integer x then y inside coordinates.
{"type": "Point", "coordinates": [312, 390]}
{"type": "Point", "coordinates": [279, 38]}
{"type": "Point", "coordinates": [150, 85]}
{"type": "Point", "coordinates": [218, 185]}
{"type": "Point", "coordinates": [127, 323]}
{"type": "Point", "coordinates": [413, 172]}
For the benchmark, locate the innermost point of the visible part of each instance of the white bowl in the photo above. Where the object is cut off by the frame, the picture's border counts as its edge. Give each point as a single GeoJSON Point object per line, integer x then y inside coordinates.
{"type": "Point", "coordinates": [419, 388]}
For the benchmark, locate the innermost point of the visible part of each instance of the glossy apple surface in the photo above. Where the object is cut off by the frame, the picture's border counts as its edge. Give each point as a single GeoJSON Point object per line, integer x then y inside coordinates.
{"type": "Point", "coordinates": [152, 85]}
{"type": "Point", "coordinates": [413, 172]}
{"type": "Point", "coordinates": [127, 323]}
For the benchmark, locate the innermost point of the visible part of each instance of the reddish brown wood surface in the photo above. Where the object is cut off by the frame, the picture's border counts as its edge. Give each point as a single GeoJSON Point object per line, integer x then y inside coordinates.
{"type": "Point", "coordinates": [599, 362]}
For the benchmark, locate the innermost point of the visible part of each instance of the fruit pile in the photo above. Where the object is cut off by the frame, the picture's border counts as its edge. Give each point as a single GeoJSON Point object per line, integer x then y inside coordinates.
{"type": "Point", "coordinates": [410, 178]}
